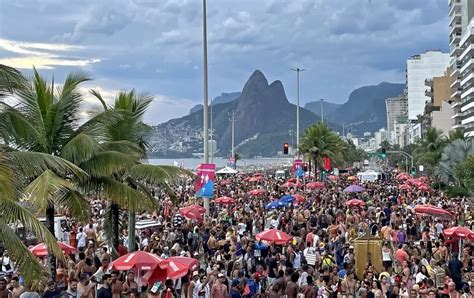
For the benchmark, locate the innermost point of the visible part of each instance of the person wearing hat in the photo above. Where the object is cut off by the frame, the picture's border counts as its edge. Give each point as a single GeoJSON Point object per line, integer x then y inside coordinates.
{"type": "Point", "coordinates": [194, 286]}
{"type": "Point", "coordinates": [219, 289]}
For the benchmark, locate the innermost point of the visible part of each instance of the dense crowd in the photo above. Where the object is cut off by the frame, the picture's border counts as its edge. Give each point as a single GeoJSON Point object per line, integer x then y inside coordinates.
{"type": "Point", "coordinates": [414, 259]}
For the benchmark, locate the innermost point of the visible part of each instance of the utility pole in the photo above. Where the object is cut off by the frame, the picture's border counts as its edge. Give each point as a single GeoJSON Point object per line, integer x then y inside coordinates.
{"type": "Point", "coordinates": [343, 133]}
{"type": "Point", "coordinates": [205, 103]}
{"type": "Point", "coordinates": [298, 70]}
{"type": "Point", "coordinates": [211, 132]}
{"type": "Point", "coordinates": [232, 120]}
{"type": "Point", "coordinates": [322, 110]}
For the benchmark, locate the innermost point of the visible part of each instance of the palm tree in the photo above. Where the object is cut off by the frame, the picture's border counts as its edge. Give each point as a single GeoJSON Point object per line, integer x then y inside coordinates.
{"type": "Point", "coordinates": [456, 134]}
{"type": "Point", "coordinates": [318, 142]}
{"type": "Point", "coordinates": [429, 150]}
{"type": "Point", "coordinates": [452, 155]}
{"type": "Point", "coordinates": [129, 129]}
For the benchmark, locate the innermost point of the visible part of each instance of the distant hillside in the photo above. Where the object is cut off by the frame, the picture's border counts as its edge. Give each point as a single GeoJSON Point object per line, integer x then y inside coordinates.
{"type": "Point", "coordinates": [365, 110]}
{"type": "Point", "coordinates": [263, 117]}
{"type": "Point", "coordinates": [328, 107]}
{"type": "Point", "coordinates": [223, 98]}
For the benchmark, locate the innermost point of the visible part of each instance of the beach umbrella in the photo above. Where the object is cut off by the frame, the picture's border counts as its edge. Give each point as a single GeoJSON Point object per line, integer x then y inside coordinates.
{"type": "Point", "coordinates": [256, 192]}
{"type": "Point", "coordinates": [287, 199]}
{"type": "Point", "coordinates": [257, 174]}
{"type": "Point", "coordinates": [288, 184]}
{"type": "Point", "coordinates": [333, 177]}
{"type": "Point", "coordinates": [224, 200]}
{"type": "Point", "coordinates": [403, 176]}
{"type": "Point", "coordinates": [299, 198]}
{"type": "Point", "coordinates": [276, 205]}
{"type": "Point", "coordinates": [352, 178]}
{"type": "Point", "coordinates": [171, 268]}
{"type": "Point", "coordinates": [198, 208]}
{"type": "Point", "coordinates": [274, 236]}
{"type": "Point", "coordinates": [315, 185]}
{"type": "Point", "coordinates": [423, 187]}
{"type": "Point", "coordinates": [459, 233]}
{"type": "Point", "coordinates": [433, 211]}
{"type": "Point", "coordinates": [193, 214]}
{"type": "Point", "coordinates": [404, 187]}
{"type": "Point", "coordinates": [354, 188]}
{"type": "Point", "coordinates": [41, 250]}
{"type": "Point", "coordinates": [292, 180]}
{"type": "Point", "coordinates": [256, 179]}
{"type": "Point", "coordinates": [226, 182]}
{"type": "Point", "coordinates": [355, 203]}
{"type": "Point", "coordinates": [136, 260]}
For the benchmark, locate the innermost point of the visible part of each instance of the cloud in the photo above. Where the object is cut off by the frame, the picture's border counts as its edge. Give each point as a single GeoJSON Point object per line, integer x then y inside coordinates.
{"type": "Point", "coordinates": [156, 46]}
{"type": "Point", "coordinates": [41, 55]}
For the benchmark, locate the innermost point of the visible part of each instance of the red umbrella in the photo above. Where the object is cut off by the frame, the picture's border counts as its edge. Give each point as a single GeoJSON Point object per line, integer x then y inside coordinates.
{"type": "Point", "coordinates": [404, 187]}
{"type": "Point", "coordinates": [423, 187]}
{"type": "Point", "coordinates": [197, 208]}
{"type": "Point", "coordinates": [256, 178]}
{"type": "Point", "coordinates": [192, 214]}
{"type": "Point", "coordinates": [226, 182]}
{"type": "Point", "coordinates": [292, 180]}
{"type": "Point", "coordinates": [433, 211]}
{"type": "Point", "coordinates": [355, 203]}
{"type": "Point", "coordinates": [41, 250]}
{"type": "Point", "coordinates": [333, 177]}
{"type": "Point", "coordinates": [257, 174]}
{"type": "Point", "coordinates": [288, 184]}
{"type": "Point", "coordinates": [171, 268]}
{"type": "Point", "coordinates": [274, 236]}
{"type": "Point", "coordinates": [459, 233]}
{"type": "Point", "coordinates": [224, 201]}
{"type": "Point", "coordinates": [139, 260]}
{"type": "Point", "coordinates": [315, 185]}
{"type": "Point", "coordinates": [403, 176]}
{"type": "Point", "coordinates": [299, 198]}
{"type": "Point", "coordinates": [299, 184]}
{"type": "Point", "coordinates": [256, 192]}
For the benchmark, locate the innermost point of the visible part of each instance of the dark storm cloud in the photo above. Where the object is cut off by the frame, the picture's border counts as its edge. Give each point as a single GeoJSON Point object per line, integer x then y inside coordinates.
{"type": "Point", "coordinates": [156, 45]}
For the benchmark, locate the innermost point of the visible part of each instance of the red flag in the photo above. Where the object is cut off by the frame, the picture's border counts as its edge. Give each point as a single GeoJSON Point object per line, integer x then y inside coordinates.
{"type": "Point", "coordinates": [327, 163]}
{"type": "Point", "coordinates": [204, 173]}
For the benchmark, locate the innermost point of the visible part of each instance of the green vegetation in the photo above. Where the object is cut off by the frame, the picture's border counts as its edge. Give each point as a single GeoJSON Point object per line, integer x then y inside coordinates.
{"type": "Point", "coordinates": [61, 162]}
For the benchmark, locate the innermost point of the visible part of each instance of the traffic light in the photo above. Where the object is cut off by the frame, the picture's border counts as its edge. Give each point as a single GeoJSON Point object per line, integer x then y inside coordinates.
{"type": "Point", "coordinates": [384, 153]}
{"type": "Point", "coordinates": [285, 148]}
{"type": "Point", "coordinates": [413, 171]}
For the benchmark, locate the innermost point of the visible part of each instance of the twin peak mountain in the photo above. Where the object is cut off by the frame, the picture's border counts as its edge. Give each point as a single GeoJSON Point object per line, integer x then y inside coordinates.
{"type": "Point", "coordinates": [264, 120]}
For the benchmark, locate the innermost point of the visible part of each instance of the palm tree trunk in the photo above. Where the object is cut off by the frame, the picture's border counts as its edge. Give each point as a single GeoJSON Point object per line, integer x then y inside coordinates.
{"type": "Point", "coordinates": [114, 209]}
{"type": "Point", "coordinates": [316, 165]}
{"type": "Point", "coordinates": [50, 226]}
{"type": "Point", "coordinates": [131, 230]}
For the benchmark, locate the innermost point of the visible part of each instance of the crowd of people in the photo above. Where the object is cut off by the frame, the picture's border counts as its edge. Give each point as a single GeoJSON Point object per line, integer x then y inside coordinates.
{"type": "Point", "coordinates": [415, 258]}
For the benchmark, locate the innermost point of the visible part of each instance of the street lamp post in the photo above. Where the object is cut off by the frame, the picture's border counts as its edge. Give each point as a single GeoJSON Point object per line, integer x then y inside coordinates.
{"type": "Point", "coordinates": [297, 70]}
{"type": "Point", "coordinates": [205, 103]}
{"type": "Point", "coordinates": [322, 110]}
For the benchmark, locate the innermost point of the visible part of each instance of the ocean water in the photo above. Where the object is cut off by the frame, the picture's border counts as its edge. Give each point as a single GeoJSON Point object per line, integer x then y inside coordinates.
{"type": "Point", "coordinates": [192, 163]}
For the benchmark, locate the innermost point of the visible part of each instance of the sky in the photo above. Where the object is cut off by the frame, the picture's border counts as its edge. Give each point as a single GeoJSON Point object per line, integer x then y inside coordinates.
{"type": "Point", "coordinates": [155, 46]}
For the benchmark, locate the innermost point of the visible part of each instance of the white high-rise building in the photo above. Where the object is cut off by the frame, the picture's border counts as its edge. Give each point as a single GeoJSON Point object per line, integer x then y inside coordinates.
{"type": "Point", "coordinates": [461, 39]}
{"type": "Point", "coordinates": [397, 112]}
{"type": "Point", "coordinates": [431, 64]}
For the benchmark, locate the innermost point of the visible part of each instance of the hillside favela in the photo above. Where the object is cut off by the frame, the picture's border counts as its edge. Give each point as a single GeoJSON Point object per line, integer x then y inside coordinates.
{"type": "Point", "coordinates": [237, 149]}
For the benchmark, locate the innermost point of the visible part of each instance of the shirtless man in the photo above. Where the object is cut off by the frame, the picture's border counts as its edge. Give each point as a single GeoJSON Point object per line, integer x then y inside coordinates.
{"type": "Point", "coordinates": [212, 243]}
{"type": "Point", "coordinates": [116, 285]}
{"type": "Point", "coordinates": [91, 235]}
{"type": "Point", "coordinates": [17, 288]}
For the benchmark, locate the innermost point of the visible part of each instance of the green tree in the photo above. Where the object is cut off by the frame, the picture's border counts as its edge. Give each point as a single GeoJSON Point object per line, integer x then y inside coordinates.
{"type": "Point", "coordinates": [429, 149]}
{"type": "Point", "coordinates": [456, 134]}
{"type": "Point", "coordinates": [128, 132]}
{"type": "Point", "coordinates": [464, 173]}
{"type": "Point", "coordinates": [318, 141]}
{"type": "Point", "coordinates": [453, 154]}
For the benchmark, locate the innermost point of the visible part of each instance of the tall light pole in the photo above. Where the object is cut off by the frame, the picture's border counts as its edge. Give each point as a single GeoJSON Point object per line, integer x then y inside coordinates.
{"type": "Point", "coordinates": [322, 110]}
{"type": "Point", "coordinates": [211, 134]}
{"type": "Point", "coordinates": [205, 108]}
{"type": "Point", "coordinates": [298, 70]}
{"type": "Point", "coordinates": [232, 120]}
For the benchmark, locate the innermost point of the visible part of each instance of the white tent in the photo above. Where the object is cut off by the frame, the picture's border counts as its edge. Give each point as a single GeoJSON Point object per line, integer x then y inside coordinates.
{"type": "Point", "coordinates": [226, 170]}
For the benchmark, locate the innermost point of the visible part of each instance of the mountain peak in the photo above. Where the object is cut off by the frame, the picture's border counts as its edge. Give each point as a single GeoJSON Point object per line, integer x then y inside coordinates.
{"type": "Point", "coordinates": [256, 83]}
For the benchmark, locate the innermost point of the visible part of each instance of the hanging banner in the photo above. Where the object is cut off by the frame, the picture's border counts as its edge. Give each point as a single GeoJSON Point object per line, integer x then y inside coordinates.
{"type": "Point", "coordinates": [298, 168]}
{"type": "Point", "coordinates": [204, 173]}
{"type": "Point", "coordinates": [231, 163]}
{"type": "Point", "coordinates": [326, 163]}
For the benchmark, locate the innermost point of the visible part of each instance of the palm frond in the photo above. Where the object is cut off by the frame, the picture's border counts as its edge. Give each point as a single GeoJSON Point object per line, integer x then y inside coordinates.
{"type": "Point", "coordinates": [126, 147]}
{"type": "Point", "coordinates": [80, 148]}
{"type": "Point", "coordinates": [45, 189]}
{"type": "Point", "coordinates": [100, 98]}
{"type": "Point", "coordinates": [32, 164]}
{"type": "Point", "coordinates": [8, 183]}
{"type": "Point", "coordinates": [20, 130]}
{"type": "Point", "coordinates": [10, 80]}
{"type": "Point", "coordinates": [157, 174]}
{"type": "Point", "coordinates": [108, 163]}
{"type": "Point", "coordinates": [76, 204]}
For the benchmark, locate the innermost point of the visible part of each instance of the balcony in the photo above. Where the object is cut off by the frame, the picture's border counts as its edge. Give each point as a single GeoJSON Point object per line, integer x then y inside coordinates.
{"type": "Point", "coordinates": [455, 38]}
{"type": "Point", "coordinates": [467, 78]}
{"type": "Point", "coordinates": [429, 82]}
{"type": "Point", "coordinates": [468, 92]}
{"type": "Point", "coordinates": [467, 51]}
{"type": "Point", "coordinates": [428, 93]}
{"type": "Point", "coordinates": [454, 5]}
{"type": "Point", "coordinates": [456, 93]}
{"type": "Point", "coordinates": [455, 17]}
{"type": "Point", "coordinates": [456, 27]}
{"type": "Point", "coordinates": [456, 103]}
{"type": "Point", "coordinates": [455, 82]}
{"type": "Point", "coordinates": [468, 64]}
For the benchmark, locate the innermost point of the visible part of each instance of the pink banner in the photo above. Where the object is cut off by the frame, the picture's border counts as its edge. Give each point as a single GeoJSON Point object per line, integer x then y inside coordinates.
{"type": "Point", "coordinates": [204, 173]}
